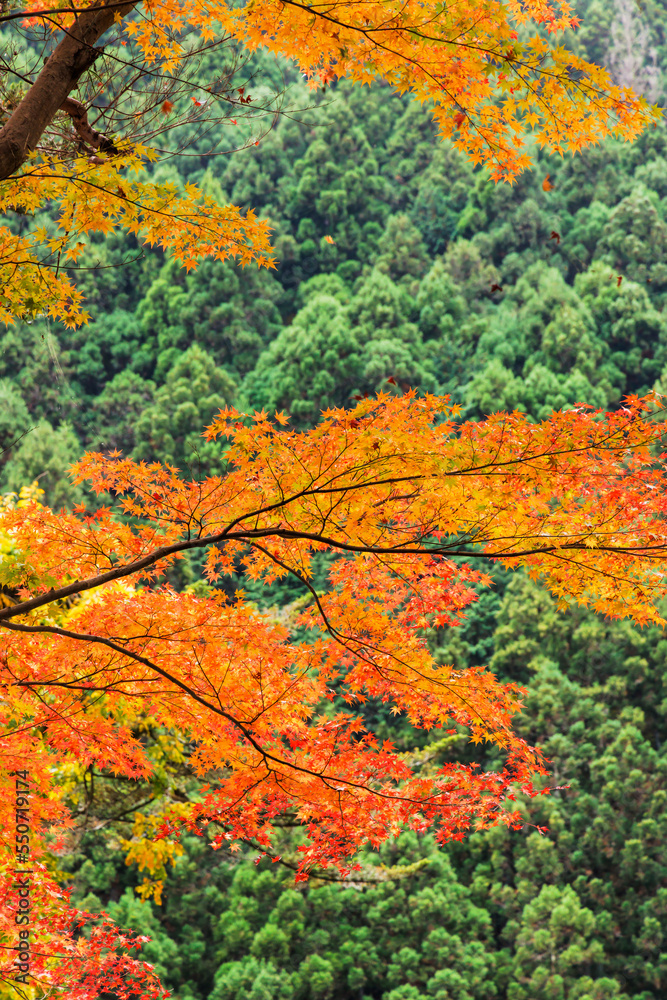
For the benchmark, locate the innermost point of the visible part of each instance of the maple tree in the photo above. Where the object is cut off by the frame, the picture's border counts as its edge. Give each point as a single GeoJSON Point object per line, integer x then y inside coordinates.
{"type": "Point", "coordinates": [95, 647]}
{"type": "Point", "coordinates": [495, 73]}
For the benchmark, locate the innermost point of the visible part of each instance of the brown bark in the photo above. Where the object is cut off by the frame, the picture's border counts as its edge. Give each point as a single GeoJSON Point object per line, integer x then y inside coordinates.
{"type": "Point", "coordinates": [86, 133]}
{"type": "Point", "coordinates": [73, 55]}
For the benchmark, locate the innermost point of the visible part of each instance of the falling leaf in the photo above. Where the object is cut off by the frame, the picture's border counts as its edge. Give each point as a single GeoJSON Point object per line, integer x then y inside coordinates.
{"type": "Point", "coordinates": [555, 236]}
{"type": "Point", "coordinates": [391, 380]}
{"type": "Point", "coordinates": [496, 288]}
{"type": "Point", "coordinates": [546, 183]}
{"type": "Point", "coordinates": [619, 279]}
{"type": "Point", "coordinates": [329, 239]}
{"type": "Point", "coordinates": [166, 107]}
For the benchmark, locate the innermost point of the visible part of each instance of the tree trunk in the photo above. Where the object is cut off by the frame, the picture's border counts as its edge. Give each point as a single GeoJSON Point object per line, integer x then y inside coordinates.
{"type": "Point", "coordinates": [73, 55]}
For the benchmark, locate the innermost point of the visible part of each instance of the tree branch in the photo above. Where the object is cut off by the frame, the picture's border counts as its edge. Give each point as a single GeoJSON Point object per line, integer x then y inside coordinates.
{"type": "Point", "coordinates": [88, 135]}
{"type": "Point", "coordinates": [554, 548]}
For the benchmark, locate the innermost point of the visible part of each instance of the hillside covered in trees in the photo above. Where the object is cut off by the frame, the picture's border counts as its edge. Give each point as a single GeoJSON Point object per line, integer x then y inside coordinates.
{"type": "Point", "coordinates": [395, 259]}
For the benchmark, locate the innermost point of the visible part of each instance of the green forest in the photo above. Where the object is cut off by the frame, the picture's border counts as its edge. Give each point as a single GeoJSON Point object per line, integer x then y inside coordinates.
{"type": "Point", "coordinates": [395, 259]}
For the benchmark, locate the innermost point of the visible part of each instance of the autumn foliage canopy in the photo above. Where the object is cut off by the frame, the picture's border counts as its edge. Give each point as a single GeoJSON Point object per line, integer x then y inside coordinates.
{"type": "Point", "coordinates": [97, 650]}
{"type": "Point", "coordinates": [95, 646]}
{"type": "Point", "coordinates": [495, 73]}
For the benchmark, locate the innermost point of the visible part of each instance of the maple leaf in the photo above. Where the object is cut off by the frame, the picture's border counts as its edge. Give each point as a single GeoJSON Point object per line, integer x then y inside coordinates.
{"type": "Point", "coordinates": [546, 183]}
